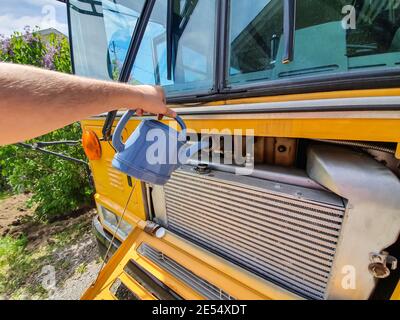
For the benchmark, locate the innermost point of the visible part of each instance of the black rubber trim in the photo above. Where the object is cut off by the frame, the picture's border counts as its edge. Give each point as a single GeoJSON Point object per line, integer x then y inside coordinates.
{"type": "Point", "coordinates": [70, 36]}
{"type": "Point", "coordinates": [221, 36]}
{"type": "Point", "coordinates": [170, 38]}
{"type": "Point", "coordinates": [360, 80]}
{"type": "Point", "coordinates": [289, 28]}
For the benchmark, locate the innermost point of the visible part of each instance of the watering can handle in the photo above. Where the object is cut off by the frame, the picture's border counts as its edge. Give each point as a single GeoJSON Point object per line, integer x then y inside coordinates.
{"type": "Point", "coordinates": [116, 139]}
{"type": "Point", "coordinates": [117, 136]}
{"type": "Point", "coordinates": [181, 123]}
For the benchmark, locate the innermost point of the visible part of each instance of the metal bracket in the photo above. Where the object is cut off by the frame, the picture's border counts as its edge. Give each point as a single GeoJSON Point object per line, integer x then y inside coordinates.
{"type": "Point", "coordinates": [379, 264]}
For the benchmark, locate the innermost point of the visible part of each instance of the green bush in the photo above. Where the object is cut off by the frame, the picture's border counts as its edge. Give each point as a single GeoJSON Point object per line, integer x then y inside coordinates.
{"type": "Point", "coordinates": [4, 187]}
{"type": "Point", "coordinates": [58, 186]}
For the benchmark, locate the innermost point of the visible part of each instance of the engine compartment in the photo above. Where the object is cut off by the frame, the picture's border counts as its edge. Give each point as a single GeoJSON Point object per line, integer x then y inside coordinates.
{"type": "Point", "coordinates": [356, 173]}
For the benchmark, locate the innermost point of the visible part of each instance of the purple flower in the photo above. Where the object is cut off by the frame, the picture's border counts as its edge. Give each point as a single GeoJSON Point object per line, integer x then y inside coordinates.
{"type": "Point", "coordinates": [28, 37]}
{"type": "Point", "coordinates": [48, 62]}
{"type": "Point", "coordinates": [6, 47]}
{"type": "Point", "coordinates": [48, 59]}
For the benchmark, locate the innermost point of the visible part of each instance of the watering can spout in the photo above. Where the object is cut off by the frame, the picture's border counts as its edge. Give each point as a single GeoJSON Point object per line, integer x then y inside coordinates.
{"type": "Point", "coordinates": [188, 151]}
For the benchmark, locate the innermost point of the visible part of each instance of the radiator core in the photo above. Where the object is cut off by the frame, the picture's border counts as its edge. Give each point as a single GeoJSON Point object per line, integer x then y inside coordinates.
{"type": "Point", "coordinates": [283, 233]}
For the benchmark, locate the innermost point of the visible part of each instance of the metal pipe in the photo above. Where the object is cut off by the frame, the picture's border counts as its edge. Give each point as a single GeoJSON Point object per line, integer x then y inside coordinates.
{"type": "Point", "coordinates": [290, 176]}
{"type": "Point", "coordinates": [59, 155]}
{"type": "Point", "coordinates": [55, 143]}
{"type": "Point", "coordinates": [62, 156]}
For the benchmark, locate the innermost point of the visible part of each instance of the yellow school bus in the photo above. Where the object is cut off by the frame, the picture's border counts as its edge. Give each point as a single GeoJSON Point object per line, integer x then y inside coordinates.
{"type": "Point", "coordinates": [298, 194]}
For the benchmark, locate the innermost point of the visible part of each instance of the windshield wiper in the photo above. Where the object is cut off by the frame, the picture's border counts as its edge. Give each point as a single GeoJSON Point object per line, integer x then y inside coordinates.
{"type": "Point", "coordinates": [289, 29]}
{"type": "Point", "coordinates": [136, 39]}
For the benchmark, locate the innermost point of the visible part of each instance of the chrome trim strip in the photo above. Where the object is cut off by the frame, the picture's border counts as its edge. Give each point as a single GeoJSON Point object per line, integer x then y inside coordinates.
{"type": "Point", "coordinates": [303, 105]}
{"type": "Point", "coordinates": [330, 107]}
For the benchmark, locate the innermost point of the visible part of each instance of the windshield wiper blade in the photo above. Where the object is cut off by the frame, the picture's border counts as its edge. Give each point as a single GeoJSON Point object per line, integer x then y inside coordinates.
{"type": "Point", "coordinates": [130, 58]}
{"type": "Point", "coordinates": [289, 29]}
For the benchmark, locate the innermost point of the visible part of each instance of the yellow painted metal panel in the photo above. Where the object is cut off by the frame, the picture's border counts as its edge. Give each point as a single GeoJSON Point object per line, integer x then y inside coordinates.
{"type": "Point", "coordinates": [135, 287]}
{"type": "Point", "coordinates": [113, 184]}
{"type": "Point", "coordinates": [233, 280]}
{"type": "Point", "coordinates": [398, 151]}
{"type": "Point", "coordinates": [396, 293]}
{"type": "Point", "coordinates": [105, 295]}
{"type": "Point", "coordinates": [385, 130]}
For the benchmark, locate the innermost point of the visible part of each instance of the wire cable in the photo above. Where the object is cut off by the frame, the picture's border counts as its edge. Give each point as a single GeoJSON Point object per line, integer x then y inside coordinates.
{"type": "Point", "coordinates": [105, 260]}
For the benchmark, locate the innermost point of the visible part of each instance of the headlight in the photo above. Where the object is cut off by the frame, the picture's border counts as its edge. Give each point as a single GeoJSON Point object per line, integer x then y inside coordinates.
{"type": "Point", "coordinates": [111, 220]}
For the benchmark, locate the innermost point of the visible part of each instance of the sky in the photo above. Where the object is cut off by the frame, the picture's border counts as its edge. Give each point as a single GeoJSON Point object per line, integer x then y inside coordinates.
{"type": "Point", "coordinates": [16, 14]}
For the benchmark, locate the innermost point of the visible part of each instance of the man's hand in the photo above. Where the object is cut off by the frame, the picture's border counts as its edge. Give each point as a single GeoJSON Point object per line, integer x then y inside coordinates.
{"type": "Point", "coordinates": [153, 101]}
{"type": "Point", "coordinates": [34, 102]}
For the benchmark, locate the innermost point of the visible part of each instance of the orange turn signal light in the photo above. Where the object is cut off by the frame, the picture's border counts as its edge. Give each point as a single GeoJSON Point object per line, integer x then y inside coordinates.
{"type": "Point", "coordinates": [91, 145]}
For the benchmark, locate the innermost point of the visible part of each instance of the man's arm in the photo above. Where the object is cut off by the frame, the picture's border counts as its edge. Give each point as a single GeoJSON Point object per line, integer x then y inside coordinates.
{"type": "Point", "coordinates": [34, 102]}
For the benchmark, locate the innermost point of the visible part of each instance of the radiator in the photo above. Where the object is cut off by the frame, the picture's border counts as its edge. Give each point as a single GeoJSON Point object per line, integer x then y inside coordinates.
{"type": "Point", "coordinates": [283, 233]}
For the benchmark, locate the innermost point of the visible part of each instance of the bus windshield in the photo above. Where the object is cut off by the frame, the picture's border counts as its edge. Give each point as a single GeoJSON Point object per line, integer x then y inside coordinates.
{"type": "Point", "coordinates": [101, 32]}
{"type": "Point", "coordinates": [178, 47]}
{"type": "Point", "coordinates": [192, 48]}
{"type": "Point", "coordinates": [331, 36]}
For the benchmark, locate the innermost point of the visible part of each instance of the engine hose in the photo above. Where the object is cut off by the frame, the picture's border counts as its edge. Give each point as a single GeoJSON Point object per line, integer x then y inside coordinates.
{"type": "Point", "coordinates": [359, 144]}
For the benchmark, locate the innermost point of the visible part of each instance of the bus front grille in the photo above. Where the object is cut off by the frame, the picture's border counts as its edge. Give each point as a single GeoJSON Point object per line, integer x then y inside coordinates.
{"type": "Point", "coordinates": [205, 288]}
{"type": "Point", "coordinates": [283, 233]}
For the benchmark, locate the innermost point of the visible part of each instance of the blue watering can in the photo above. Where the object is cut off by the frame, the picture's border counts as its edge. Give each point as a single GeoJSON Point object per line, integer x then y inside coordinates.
{"type": "Point", "coordinates": [153, 151]}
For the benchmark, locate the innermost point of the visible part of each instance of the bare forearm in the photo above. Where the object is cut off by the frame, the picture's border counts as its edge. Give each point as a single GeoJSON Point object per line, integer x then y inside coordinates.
{"type": "Point", "coordinates": [34, 101]}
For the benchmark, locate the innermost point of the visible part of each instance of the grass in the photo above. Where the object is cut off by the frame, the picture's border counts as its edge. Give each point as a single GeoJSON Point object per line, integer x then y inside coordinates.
{"type": "Point", "coordinates": [18, 264]}
{"type": "Point", "coordinates": [15, 263]}
{"type": "Point", "coordinates": [69, 235]}
{"type": "Point", "coordinates": [4, 195]}
{"type": "Point", "coordinates": [82, 268]}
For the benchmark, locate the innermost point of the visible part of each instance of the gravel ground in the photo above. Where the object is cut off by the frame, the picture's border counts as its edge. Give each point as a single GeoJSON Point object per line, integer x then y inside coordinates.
{"type": "Point", "coordinates": [63, 253]}
{"type": "Point", "coordinates": [83, 253]}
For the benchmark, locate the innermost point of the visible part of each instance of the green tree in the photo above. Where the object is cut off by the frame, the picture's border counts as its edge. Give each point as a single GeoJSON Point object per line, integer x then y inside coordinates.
{"type": "Point", "coordinates": [58, 186]}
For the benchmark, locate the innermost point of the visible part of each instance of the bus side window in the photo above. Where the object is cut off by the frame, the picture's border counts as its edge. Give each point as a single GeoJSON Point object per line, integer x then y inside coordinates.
{"type": "Point", "coordinates": [325, 42]}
